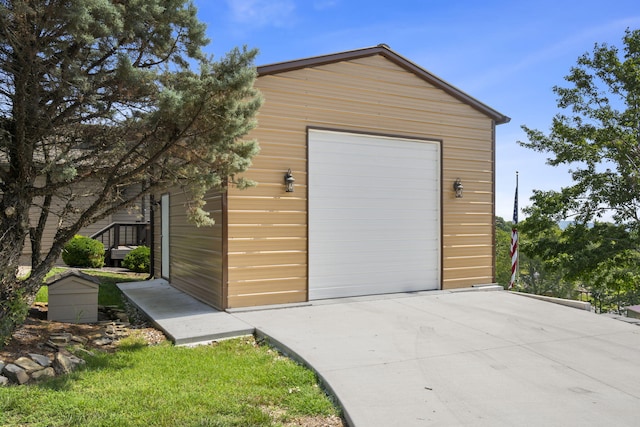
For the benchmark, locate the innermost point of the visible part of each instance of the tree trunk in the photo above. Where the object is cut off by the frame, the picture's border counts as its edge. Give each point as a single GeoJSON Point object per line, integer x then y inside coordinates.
{"type": "Point", "coordinates": [16, 294]}
{"type": "Point", "coordinates": [12, 292]}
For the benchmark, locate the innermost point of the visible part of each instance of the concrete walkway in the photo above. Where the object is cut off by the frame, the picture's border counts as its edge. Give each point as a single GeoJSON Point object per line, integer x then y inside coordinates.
{"type": "Point", "coordinates": [185, 320]}
{"type": "Point", "coordinates": [458, 358]}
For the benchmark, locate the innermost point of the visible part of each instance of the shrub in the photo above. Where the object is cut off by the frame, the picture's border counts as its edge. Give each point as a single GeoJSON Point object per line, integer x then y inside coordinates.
{"type": "Point", "coordinates": [138, 260]}
{"type": "Point", "coordinates": [14, 310]}
{"type": "Point", "coordinates": [82, 251]}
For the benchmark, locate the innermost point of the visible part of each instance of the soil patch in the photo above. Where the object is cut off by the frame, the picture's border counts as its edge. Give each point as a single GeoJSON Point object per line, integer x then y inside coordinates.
{"type": "Point", "coordinates": [32, 336]}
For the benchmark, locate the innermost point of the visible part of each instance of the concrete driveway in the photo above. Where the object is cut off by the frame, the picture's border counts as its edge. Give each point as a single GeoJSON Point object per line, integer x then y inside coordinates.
{"type": "Point", "coordinates": [464, 359]}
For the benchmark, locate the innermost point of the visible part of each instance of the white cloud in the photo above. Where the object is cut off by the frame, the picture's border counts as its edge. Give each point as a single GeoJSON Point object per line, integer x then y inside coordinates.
{"type": "Point", "coordinates": [262, 13]}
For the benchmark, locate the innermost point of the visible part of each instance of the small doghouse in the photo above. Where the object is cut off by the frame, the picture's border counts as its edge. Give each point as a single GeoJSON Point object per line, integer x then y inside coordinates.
{"type": "Point", "coordinates": [73, 297]}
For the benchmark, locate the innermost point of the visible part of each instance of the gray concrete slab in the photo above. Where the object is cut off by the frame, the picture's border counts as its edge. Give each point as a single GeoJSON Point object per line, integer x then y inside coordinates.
{"type": "Point", "coordinates": [465, 358]}
{"type": "Point", "coordinates": [437, 358]}
{"type": "Point", "coordinates": [185, 320]}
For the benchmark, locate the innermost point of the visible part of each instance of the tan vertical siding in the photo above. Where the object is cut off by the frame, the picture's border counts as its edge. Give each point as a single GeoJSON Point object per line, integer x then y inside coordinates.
{"type": "Point", "coordinates": [268, 227]}
{"type": "Point", "coordinates": [139, 212]}
{"type": "Point", "coordinates": [195, 253]}
{"type": "Point", "coordinates": [55, 219]}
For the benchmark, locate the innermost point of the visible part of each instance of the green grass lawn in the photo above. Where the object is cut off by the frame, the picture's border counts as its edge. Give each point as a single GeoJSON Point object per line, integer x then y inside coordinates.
{"type": "Point", "coordinates": [232, 383]}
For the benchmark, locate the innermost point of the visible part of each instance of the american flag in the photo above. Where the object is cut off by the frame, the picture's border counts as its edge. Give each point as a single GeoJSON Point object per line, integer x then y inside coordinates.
{"type": "Point", "coordinates": [514, 240]}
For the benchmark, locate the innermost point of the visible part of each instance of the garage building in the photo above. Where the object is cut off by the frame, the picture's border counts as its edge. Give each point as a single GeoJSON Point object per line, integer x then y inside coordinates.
{"type": "Point", "coordinates": [393, 190]}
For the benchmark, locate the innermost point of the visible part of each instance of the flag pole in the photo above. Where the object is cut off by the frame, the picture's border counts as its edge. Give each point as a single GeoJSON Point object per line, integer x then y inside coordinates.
{"type": "Point", "coordinates": [514, 252]}
{"type": "Point", "coordinates": [518, 260]}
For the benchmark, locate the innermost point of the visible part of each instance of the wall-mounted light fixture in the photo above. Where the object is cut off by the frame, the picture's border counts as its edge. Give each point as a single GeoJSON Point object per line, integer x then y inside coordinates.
{"type": "Point", "coordinates": [457, 187]}
{"type": "Point", "coordinates": [288, 181]}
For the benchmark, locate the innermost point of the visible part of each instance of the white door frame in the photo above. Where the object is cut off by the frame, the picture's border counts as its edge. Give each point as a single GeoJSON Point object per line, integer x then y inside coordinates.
{"type": "Point", "coordinates": [164, 235]}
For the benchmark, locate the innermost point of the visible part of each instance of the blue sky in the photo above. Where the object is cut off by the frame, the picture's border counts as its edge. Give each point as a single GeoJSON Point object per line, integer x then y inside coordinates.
{"type": "Point", "coordinates": [507, 54]}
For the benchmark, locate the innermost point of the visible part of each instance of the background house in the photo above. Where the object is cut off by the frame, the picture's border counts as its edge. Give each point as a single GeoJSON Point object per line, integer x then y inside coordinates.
{"type": "Point", "coordinates": [375, 144]}
{"type": "Point", "coordinates": [119, 232]}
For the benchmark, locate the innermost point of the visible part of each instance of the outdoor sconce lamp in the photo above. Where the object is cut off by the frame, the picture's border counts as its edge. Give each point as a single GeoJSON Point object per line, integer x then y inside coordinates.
{"type": "Point", "coordinates": [288, 181]}
{"type": "Point", "coordinates": [457, 187]}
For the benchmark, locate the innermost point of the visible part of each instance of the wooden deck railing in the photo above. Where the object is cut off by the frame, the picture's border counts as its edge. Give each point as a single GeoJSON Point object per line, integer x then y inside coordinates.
{"type": "Point", "coordinates": [122, 234]}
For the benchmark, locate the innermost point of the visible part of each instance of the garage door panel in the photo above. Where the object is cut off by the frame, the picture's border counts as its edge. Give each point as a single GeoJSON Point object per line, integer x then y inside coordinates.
{"type": "Point", "coordinates": [373, 237]}
{"type": "Point", "coordinates": [374, 240]}
{"type": "Point", "coordinates": [378, 199]}
{"type": "Point", "coordinates": [369, 166]}
{"type": "Point", "coordinates": [349, 185]}
{"type": "Point", "coordinates": [352, 196]}
{"type": "Point", "coordinates": [347, 285]}
{"type": "Point", "coordinates": [417, 255]}
{"type": "Point", "coordinates": [381, 221]}
{"type": "Point", "coordinates": [425, 269]}
{"type": "Point", "coordinates": [374, 215]}
{"type": "Point", "coordinates": [358, 219]}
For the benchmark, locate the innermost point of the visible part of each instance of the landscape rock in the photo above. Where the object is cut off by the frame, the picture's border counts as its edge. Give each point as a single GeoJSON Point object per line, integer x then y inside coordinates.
{"type": "Point", "coordinates": [33, 367]}
{"type": "Point", "coordinates": [81, 340]}
{"type": "Point", "coordinates": [102, 341]}
{"type": "Point", "coordinates": [43, 361]}
{"type": "Point", "coordinates": [122, 316]}
{"type": "Point", "coordinates": [22, 370]}
{"type": "Point", "coordinates": [114, 312]}
{"type": "Point", "coordinates": [28, 365]}
{"type": "Point", "coordinates": [15, 374]}
{"type": "Point", "coordinates": [117, 330]}
{"type": "Point", "coordinates": [51, 345]}
{"type": "Point", "coordinates": [44, 373]}
{"type": "Point", "coordinates": [61, 339]}
{"type": "Point", "coordinates": [65, 362]}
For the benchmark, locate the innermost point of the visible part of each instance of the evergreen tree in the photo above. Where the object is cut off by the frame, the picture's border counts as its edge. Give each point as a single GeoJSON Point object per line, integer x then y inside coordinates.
{"type": "Point", "coordinates": [98, 96]}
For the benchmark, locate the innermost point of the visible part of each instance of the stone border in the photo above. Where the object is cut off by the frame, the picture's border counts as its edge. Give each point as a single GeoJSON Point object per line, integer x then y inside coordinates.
{"type": "Point", "coordinates": [35, 367]}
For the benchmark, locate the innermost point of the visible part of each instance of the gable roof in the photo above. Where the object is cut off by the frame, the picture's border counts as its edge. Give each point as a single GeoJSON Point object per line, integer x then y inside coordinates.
{"type": "Point", "coordinates": [394, 57]}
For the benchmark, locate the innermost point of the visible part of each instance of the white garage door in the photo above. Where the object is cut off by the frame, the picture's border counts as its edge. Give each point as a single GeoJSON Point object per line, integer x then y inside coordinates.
{"type": "Point", "coordinates": [374, 215]}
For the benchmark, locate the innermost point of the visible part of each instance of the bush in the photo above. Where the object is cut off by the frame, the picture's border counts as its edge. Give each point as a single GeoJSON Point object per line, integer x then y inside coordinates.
{"type": "Point", "coordinates": [138, 260]}
{"type": "Point", "coordinates": [15, 310]}
{"type": "Point", "coordinates": [82, 251]}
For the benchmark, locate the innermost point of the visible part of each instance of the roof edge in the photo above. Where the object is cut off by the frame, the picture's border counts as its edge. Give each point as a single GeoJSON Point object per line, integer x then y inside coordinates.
{"type": "Point", "coordinates": [384, 50]}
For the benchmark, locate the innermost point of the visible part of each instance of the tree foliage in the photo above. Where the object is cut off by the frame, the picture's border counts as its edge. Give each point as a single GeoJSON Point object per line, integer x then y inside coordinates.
{"type": "Point", "coordinates": [99, 96]}
{"type": "Point", "coordinates": [600, 258]}
{"type": "Point", "coordinates": [503, 256]}
{"type": "Point", "coordinates": [598, 135]}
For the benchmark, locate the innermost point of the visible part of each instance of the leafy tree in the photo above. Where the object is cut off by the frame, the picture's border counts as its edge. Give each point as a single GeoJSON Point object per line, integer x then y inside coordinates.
{"type": "Point", "coordinates": [503, 256]}
{"type": "Point", "coordinates": [98, 96]}
{"type": "Point", "coordinates": [537, 274]}
{"type": "Point", "coordinates": [599, 257]}
{"type": "Point", "coordinates": [598, 135]}
{"type": "Point", "coordinates": [622, 279]}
